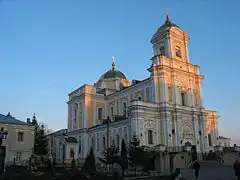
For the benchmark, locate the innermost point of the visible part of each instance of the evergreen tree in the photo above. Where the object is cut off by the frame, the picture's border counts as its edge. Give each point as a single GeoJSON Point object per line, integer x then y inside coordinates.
{"type": "Point", "coordinates": [89, 165]}
{"type": "Point", "coordinates": [41, 141]}
{"type": "Point", "coordinates": [135, 153]}
{"type": "Point", "coordinates": [124, 157]}
{"type": "Point", "coordinates": [111, 155]}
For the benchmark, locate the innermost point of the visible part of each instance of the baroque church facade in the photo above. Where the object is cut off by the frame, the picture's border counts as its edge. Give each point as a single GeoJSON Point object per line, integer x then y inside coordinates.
{"type": "Point", "coordinates": [165, 108]}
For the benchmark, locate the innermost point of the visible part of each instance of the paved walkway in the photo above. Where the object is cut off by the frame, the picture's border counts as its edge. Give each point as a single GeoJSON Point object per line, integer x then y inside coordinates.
{"type": "Point", "coordinates": [211, 171]}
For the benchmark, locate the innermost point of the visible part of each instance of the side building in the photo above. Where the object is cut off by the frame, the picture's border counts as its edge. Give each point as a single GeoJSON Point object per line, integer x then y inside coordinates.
{"type": "Point", "coordinates": [19, 141]}
{"type": "Point", "coordinates": [165, 108]}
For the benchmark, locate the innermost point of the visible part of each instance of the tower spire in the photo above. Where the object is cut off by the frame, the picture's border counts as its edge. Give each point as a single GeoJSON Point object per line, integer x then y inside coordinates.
{"type": "Point", "coordinates": [113, 63]}
{"type": "Point", "coordinates": [167, 17]}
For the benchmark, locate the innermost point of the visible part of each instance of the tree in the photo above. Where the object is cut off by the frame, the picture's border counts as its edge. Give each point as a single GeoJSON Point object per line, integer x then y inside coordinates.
{"type": "Point", "coordinates": [124, 157]}
{"type": "Point", "coordinates": [41, 141]}
{"type": "Point", "coordinates": [111, 156]}
{"type": "Point", "coordinates": [89, 165]}
{"type": "Point", "coordinates": [135, 153]}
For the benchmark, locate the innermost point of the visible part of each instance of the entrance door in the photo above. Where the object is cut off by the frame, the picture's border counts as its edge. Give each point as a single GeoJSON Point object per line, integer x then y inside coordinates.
{"type": "Point", "coordinates": [194, 153]}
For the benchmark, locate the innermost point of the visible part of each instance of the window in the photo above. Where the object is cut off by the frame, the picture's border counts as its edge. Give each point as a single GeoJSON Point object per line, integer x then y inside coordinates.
{"type": "Point", "coordinates": [93, 145]}
{"type": "Point", "coordinates": [20, 136]}
{"type": "Point", "coordinates": [162, 51]}
{"type": "Point", "coordinates": [112, 111]}
{"type": "Point", "coordinates": [117, 140]}
{"type": "Point", "coordinates": [150, 137]}
{"type": "Point", "coordinates": [72, 153]}
{"type": "Point", "coordinates": [178, 51]}
{"type": "Point", "coordinates": [18, 156]}
{"type": "Point", "coordinates": [97, 144]}
{"type": "Point", "coordinates": [183, 98]}
{"type": "Point", "coordinates": [99, 113]}
{"type": "Point", "coordinates": [79, 145]}
{"type": "Point", "coordinates": [104, 143]}
{"type": "Point", "coordinates": [209, 140]}
{"type": "Point", "coordinates": [139, 98]}
{"type": "Point", "coordinates": [124, 109]}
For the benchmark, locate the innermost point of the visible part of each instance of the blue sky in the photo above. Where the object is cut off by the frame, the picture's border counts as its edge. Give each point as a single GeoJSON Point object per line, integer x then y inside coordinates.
{"type": "Point", "coordinates": [50, 47]}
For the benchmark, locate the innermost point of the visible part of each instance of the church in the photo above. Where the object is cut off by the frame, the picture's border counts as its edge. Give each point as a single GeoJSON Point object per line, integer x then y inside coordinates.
{"type": "Point", "coordinates": [165, 108]}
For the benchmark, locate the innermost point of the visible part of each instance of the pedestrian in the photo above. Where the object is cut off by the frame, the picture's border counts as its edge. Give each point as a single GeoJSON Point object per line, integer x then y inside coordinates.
{"type": "Point", "coordinates": [236, 167]}
{"type": "Point", "coordinates": [196, 168]}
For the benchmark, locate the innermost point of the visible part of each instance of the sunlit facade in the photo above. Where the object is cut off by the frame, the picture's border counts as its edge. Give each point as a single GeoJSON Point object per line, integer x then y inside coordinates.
{"type": "Point", "coordinates": [165, 108]}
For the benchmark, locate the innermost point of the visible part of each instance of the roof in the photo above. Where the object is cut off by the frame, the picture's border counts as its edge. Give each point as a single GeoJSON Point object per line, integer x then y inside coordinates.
{"type": "Point", "coordinates": [59, 132]}
{"type": "Point", "coordinates": [221, 137]}
{"type": "Point", "coordinates": [8, 119]}
{"type": "Point", "coordinates": [112, 73]}
{"type": "Point", "coordinates": [165, 27]}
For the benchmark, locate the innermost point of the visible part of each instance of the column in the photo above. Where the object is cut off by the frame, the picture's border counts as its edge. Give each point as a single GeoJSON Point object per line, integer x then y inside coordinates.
{"type": "Point", "coordinates": [200, 99]}
{"type": "Point", "coordinates": [178, 137]}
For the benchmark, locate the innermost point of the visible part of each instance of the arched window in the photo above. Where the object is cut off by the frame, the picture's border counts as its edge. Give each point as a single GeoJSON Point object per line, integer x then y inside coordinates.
{"type": "Point", "coordinates": [139, 98]}
{"type": "Point", "coordinates": [183, 98]}
{"type": "Point", "coordinates": [162, 51]}
{"type": "Point", "coordinates": [178, 51]}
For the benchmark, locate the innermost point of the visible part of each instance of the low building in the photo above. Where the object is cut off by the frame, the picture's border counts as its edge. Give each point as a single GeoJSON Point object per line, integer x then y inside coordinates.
{"type": "Point", "coordinates": [19, 141]}
{"type": "Point", "coordinates": [224, 141]}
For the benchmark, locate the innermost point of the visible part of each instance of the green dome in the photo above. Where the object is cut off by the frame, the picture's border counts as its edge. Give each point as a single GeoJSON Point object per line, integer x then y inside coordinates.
{"type": "Point", "coordinates": [114, 74]}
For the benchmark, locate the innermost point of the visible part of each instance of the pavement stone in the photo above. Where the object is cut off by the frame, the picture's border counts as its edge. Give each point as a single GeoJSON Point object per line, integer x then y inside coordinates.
{"type": "Point", "coordinates": [210, 171]}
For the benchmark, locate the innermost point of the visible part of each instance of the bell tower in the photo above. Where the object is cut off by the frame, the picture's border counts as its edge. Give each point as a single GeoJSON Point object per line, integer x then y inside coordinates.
{"type": "Point", "coordinates": [171, 41]}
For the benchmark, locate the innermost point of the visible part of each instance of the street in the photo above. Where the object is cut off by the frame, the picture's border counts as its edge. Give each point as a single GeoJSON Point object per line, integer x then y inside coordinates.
{"type": "Point", "coordinates": [211, 171]}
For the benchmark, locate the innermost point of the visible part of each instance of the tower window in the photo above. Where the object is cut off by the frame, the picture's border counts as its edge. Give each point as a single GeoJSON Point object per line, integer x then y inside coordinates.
{"type": "Point", "coordinates": [183, 98]}
{"type": "Point", "coordinates": [139, 98]}
{"type": "Point", "coordinates": [150, 137]}
{"type": "Point", "coordinates": [162, 51]}
{"type": "Point", "coordinates": [178, 51]}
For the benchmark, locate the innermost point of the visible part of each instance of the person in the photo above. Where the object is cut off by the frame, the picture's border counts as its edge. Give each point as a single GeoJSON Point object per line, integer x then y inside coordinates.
{"type": "Point", "coordinates": [236, 168]}
{"type": "Point", "coordinates": [196, 167]}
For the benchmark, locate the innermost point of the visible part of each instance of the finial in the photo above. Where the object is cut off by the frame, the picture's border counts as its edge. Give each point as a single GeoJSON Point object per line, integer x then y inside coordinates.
{"type": "Point", "coordinates": [113, 63]}
{"type": "Point", "coordinates": [167, 17]}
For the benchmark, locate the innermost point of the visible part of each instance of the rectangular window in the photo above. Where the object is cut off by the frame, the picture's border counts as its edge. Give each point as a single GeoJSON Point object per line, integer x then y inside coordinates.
{"type": "Point", "coordinates": [124, 109]}
{"type": "Point", "coordinates": [79, 145]}
{"type": "Point", "coordinates": [20, 136]}
{"type": "Point", "coordinates": [97, 144]}
{"type": "Point", "coordinates": [18, 156]}
{"type": "Point", "coordinates": [104, 143]}
{"type": "Point", "coordinates": [209, 140]}
{"type": "Point", "coordinates": [117, 140]}
{"type": "Point", "coordinates": [99, 113]}
{"type": "Point", "coordinates": [72, 153]}
{"type": "Point", "coordinates": [112, 111]}
{"type": "Point", "coordinates": [150, 137]}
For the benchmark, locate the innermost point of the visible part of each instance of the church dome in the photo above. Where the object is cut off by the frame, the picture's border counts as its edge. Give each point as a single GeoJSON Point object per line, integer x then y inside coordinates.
{"type": "Point", "coordinates": [113, 73]}
{"type": "Point", "coordinates": [165, 27]}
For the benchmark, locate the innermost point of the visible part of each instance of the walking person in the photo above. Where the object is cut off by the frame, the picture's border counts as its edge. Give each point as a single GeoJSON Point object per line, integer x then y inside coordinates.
{"type": "Point", "coordinates": [196, 167]}
{"type": "Point", "coordinates": [236, 168]}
